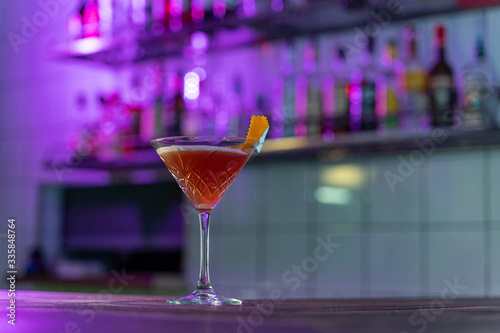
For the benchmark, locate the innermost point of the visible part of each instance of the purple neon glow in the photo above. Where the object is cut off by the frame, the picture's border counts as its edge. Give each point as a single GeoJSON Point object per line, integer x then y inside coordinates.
{"type": "Point", "coordinates": [106, 16]}
{"type": "Point", "coordinates": [277, 5]}
{"type": "Point", "coordinates": [219, 84]}
{"type": "Point", "coordinates": [174, 82]}
{"type": "Point", "coordinates": [197, 11]}
{"type": "Point", "coordinates": [87, 45]}
{"type": "Point", "coordinates": [175, 23]}
{"type": "Point", "coordinates": [356, 76]}
{"type": "Point", "coordinates": [201, 72]}
{"type": "Point", "coordinates": [386, 60]}
{"type": "Point", "coordinates": [158, 10]}
{"type": "Point", "coordinates": [191, 86]}
{"type": "Point", "coordinates": [199, 41]}
{"type": "Point", "coordinates": [138, 11]}
{"type": "Point", "coordinates": [286, 58]}
{"type": "Point", "coordinates": [219, 8]}
{"type": "Point", "coordinates": [278, 130]}
{"type": "Point", "coordinates": [328, 136]}
{"type": "Point", "coordinates": [221, 122]}
{"type": "Point", "coordinates": [248, 8]}
{"type": "Point", "coordinates": [175, 8]}
{"type": "Point", "coordinates": [175, 20]}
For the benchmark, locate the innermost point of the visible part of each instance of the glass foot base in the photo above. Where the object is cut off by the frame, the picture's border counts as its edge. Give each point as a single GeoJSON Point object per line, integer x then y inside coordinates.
{"type": "Point", "coordinates": [204, 298]}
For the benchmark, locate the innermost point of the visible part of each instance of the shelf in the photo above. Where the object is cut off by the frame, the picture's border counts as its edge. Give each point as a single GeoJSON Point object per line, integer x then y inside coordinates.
{"type": "Point", "coordinates": [371, 143]}
{"type": "Point", "coordinates": [234, 30]}
{"type": "Point", "coordinates": [342, 147]}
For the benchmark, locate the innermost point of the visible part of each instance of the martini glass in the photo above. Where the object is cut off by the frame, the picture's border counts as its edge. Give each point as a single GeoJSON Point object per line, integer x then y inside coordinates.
{"type": "Point", "coordinates": [204, 168]}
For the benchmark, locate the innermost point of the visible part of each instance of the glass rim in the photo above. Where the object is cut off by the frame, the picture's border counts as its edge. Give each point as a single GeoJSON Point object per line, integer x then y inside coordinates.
{"type": "Point", "coordinates": [188, 138]}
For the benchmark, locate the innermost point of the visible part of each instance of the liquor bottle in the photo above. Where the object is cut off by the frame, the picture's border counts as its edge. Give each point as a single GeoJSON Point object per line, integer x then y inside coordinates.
{"type": "Point", "coordinates": [121, 17]}
{"type": "Point", "coordinates": [414, 97]}
{"type": "Point", "coordinates": [335, 97]}
{"type": "Point", "coordinates": [362, 114]}
{"type": "Point", "coordinates": [308, 93]}
{"type": "Point", "coordinates": [75, 23]}
{"type": "Point", "coordinates": [220, 108]}
{"type": "Point", "coordinates": [161, 14]}
{"type": "Point", "coordinates": [178, 112]}
{"type": "Point", "coordinates": [261, 106]}
{"type": "Point", "coordinates": [159, 123]}
{"type": "Point", "coordinates": [302, 89]}
{"type": "Point", "coordinates": [277, 128]}
{"type": "Point", "coordinates": [236, 113]}
{"type": "Point", "coordinates": [197, 10]}
{"type": "Point", "coordinates": [175, 14]}
{"type": "Point", "coordinates": [138, 15]}
{"type": "Point", "coordinates": [90, 19]}
{"type": "Point", "coordinates": [219, 8]}
{"type": "Point", "coordinates": [478, 101]}
{"type": "Point", "coordinates": [176, 105]}
{"type": "Point", "coordinates": [287, 62]}
{"type": "Point", "coordinates": [388, 89]}
{"type": "Point", "coordinates": [205, 117]}
{"type": "Point", "coordinates": [442, 92]}
{"type": "Point", "coordinates": [158, 14]}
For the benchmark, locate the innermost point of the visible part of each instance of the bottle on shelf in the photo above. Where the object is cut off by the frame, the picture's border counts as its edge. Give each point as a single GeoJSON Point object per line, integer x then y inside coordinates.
{"type": "Point", "coordinates": [160, 14]}
{"type": "Point", "coordinates": [478, 100]}
{"type": "Point", "coordinates": [261, 106]}
{"type": "Point", "coordinates": [158, 116]}
{"type": "Point", "coordinates": [219, 8]}
{"type": "Point", "coordinates": [197, 10]}
{"type": "Point", "coordinates": [178, 107]}
{"type": "Point", "coordinates": [277, 119]}
{"type": "Point", "coordinates": [158, 94]}
{"type": "Point", "coordinates": [442, 91]}
{"type": "Point", "coordinates": [308, 93]}
{"type": "Point", "coordinates": [90, 19]}
{"type": "Point", "coordinates": [176, 9]}
{"type": "Point", "coordinates": [287, 63]}
{"type": "Point", "coordinates": [220, 108]}
{"type": "Point", "coordinates": [178, 111]}
{"type": "Point", "coordinates": [121, 17]}
{"type": "Point", "coordinates": [414, 98]}
{"type": "Point", "coordinates": [388, 89]}
{"type": "Point", "coordinates": [205, 120]}
{"type": "Point", "coordinates": [138, 15]}
{"type": "Point", "coordinates": [154, 15]}
{"type": "Point", "coordinates": [335, 97]}
{"type": "Point", "coordinates": [362, 116]}
{"type": "Point", "coordinates": [236, 112]}
{"type": "Point", "coordinates": [148, 9]}
{"type": "Point", "coordinates": [75, 23]}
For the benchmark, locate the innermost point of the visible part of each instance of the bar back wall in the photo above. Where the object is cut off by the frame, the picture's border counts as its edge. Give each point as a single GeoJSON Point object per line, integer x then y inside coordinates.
{"type": "Point", "coordinates": [360, 226]}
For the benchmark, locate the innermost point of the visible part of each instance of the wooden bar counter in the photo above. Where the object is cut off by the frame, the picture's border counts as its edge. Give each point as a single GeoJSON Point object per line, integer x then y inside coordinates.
{"type": "Point", "coordinates": [57, 312]}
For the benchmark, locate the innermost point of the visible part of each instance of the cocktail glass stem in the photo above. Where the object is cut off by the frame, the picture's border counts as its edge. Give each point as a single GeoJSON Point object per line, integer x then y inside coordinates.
{"type": "Point", "coordinates": [204, 280]}
{"type": "Point", "coordinates": [204, 293]}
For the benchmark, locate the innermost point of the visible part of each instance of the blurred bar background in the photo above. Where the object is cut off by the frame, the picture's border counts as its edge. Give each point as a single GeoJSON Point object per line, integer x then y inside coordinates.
{"type": "Point", "coordinates": [407, 202]}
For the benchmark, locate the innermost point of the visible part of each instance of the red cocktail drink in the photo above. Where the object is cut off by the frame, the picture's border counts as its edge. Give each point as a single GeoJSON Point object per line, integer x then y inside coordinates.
{"type": "Point", "coordinates": [204, 173]}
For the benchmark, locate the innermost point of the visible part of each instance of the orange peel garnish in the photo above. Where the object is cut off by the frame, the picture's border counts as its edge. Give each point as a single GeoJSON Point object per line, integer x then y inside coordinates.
{"type": "Point", "coordinates": [258, 127]}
